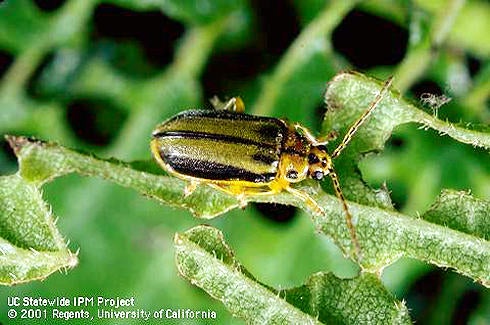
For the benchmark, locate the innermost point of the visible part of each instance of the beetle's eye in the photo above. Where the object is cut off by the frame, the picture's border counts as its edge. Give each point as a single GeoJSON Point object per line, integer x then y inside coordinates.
{"type": "Point", "coordinates": [318, 175]}
{"type": "Point", "coordinates": [292, 174]}
{"type": "Point", "coordinates": [312, 159]}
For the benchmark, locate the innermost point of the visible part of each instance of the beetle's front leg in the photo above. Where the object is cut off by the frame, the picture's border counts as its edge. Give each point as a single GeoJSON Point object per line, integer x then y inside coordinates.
{"type": "Point", "coordinates": [332, 135]}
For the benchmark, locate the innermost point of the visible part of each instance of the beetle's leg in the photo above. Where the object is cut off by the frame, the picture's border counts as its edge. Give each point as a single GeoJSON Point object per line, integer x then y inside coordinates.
{"type": "Point", "coordinates": [306, 133]}
{"type": "Point", "coordinates": [310, 202]}
{"type": "Point", "coordinates": [190, 188]}
{"type": "Point", "coordinates": [332, 135]}
{"type": "Point", "coordinates": [234, 104]}
{"type": "Point", "coordinates": [241, 201]}
{"type": "Point", "coordinates": [230, 105]}
{"type": "Point", "coordinates": [216, 102]}
{"type": "Point", "coordinates": [238, 105]}
{"type": "Point", "coordinates": [241, 192]}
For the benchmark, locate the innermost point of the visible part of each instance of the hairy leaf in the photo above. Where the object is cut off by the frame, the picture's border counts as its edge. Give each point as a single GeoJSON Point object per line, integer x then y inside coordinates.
{"type": "Point", "coordinates": [204, 258]}
{"type": "Point", "coordinates": [461, 211]}
{"type": "Point", "coordinates": [384, 235]}
{"type": "Point", "coordinates": [31, 247]}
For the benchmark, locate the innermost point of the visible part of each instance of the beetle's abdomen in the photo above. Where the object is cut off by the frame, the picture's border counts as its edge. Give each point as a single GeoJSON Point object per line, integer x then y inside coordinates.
{"type": "Point", "coordinates": [220, 145]}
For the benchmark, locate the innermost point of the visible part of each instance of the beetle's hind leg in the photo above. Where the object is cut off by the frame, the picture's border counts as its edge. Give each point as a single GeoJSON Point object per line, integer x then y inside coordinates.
{"type": "Point", "coordinates": [241, 192]}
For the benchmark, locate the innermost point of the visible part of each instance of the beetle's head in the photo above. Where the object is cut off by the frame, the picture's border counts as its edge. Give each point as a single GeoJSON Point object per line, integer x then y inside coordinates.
{"type": "Point", "coordinates": [319, 162]}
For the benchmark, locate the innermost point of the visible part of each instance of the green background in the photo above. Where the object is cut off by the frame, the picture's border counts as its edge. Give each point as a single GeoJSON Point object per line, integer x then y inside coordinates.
{"type": "Point", "coordinates": [99, 75]}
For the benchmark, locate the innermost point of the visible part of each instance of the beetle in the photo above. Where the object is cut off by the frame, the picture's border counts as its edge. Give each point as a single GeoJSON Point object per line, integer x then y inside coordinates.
{"type": "Point", "coordinates": [243, 154]}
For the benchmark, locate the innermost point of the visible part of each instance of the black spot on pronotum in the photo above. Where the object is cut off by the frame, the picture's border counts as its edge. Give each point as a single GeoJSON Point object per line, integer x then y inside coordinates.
{"type": "Point", "coordinates": [322, 148]}
{"type": "Point", "coordinates": [313, 159]}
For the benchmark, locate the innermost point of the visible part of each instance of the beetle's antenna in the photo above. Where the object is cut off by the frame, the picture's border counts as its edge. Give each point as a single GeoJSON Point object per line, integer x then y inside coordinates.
{"type": "Point", "coordinates": [360, 120]}
{"type": "Point", "coordinates": [348, 216]}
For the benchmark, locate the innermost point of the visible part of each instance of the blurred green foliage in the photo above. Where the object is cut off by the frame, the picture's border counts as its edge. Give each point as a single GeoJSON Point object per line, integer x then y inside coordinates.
{"type": "Point", "coordinates": [69, 77]}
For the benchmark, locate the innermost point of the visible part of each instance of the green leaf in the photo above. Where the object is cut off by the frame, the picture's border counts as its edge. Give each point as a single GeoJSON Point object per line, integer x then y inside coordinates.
{"type": "Point", "coordinates": [375, 226]}
{"type": "Point", "coordinates": [189, 11]}
{"type": "Point", "coordinates": [31, 247]}
{"type": "Point", "coordinates": [361, 300]}
{"type": "Point", "coordinates": [448, 46]}
{"type": "Point", "coordinates": [204, 258]}
{"type": "Point", "coordinates": [349, 94]}
{"type": "Point", "coordinates": [385, 236]}
{"type": "Point", "coordinates": [461, 211]}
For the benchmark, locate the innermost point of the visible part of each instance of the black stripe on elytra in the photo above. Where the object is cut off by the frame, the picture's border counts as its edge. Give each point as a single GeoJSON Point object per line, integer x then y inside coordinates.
{"type": "Point", "coordinates": [214, 171]}
{"type": "Point", "coordinates": [211, 136]}
{"type": "Point", "coordinates": [224, 115]}
{"type": "Point", "coordinates": [265, 158]}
